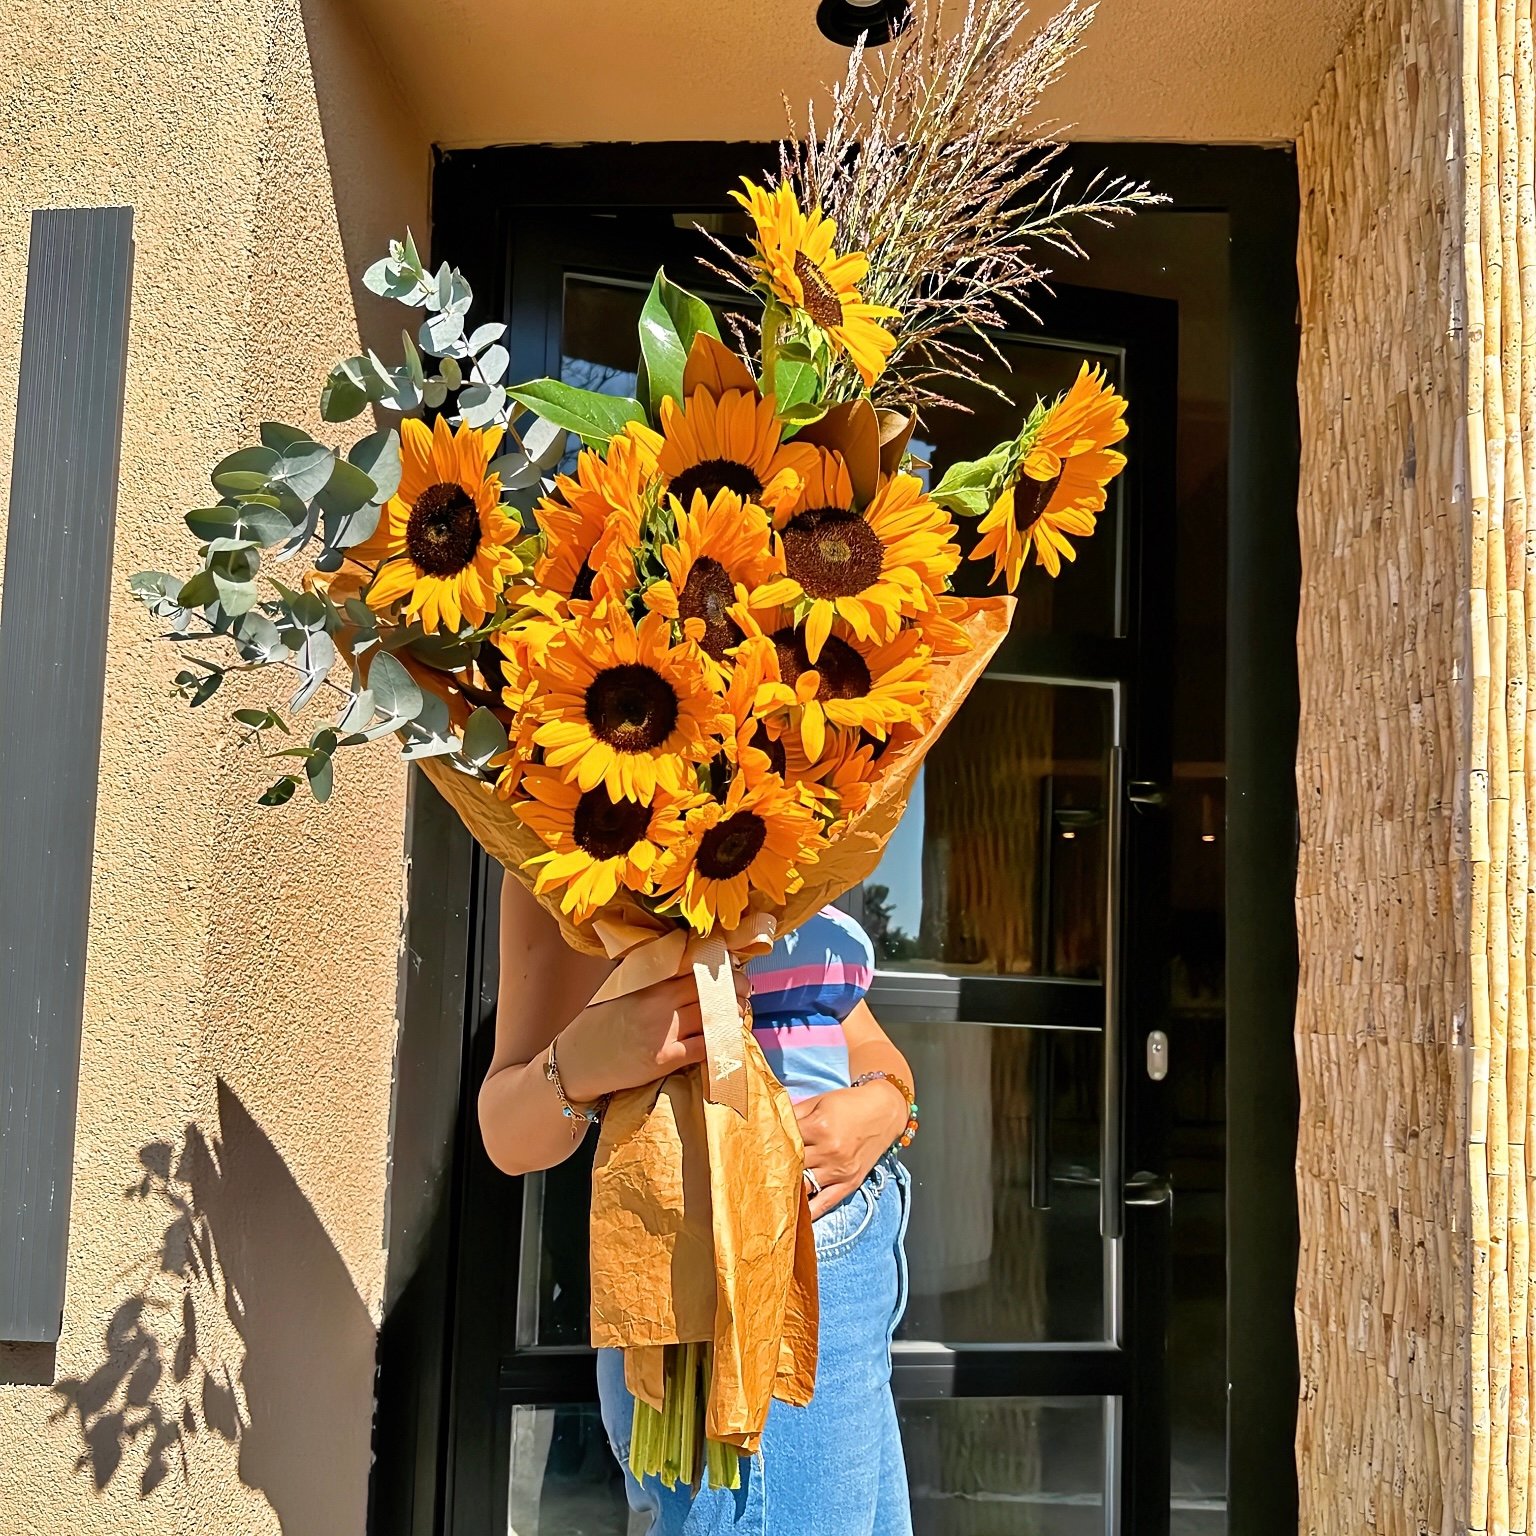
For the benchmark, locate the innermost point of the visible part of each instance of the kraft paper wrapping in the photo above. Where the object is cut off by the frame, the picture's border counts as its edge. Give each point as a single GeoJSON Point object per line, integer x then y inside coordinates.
{"type": "Point", "coordinates": [701, 1226]}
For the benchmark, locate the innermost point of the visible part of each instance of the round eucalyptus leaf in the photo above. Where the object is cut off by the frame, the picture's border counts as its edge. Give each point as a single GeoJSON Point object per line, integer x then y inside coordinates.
{"type": "Point", "coordinates": [198, 592]}
{"type": "Point", "coordinates": [452, 374]}
{"type": "Point", "coordinates": [491, 366]}
{"type": "Point", "coordinates": [483, 335]}
{"type": "Point", "coordinates": [346, 489]}
{"type": "Point", "coordinates": [281, 792]}
{"type": "Point", "coordinates": [212, 522]}
{"type": "Point", "coordinates": [434, 394]}
{"type": "Point", "coordinates": [482, 404]}
{"type": "Point", "coordinates": [343, 397]}
{"type": "Point", "coordinates": [394, 690]}
{"type": "Point", "coordinates": [484, 737]}
{"type": "Point", "coordinates": [280, 437]}
{"type": "Point", "coordinates": [232, 481]}
{"type": "Point", "coordinates": [378, 456]}
{"type": "Point", "coordinates": [306, 469]}
{"type": "Point", "coordinates": [236, 597]}
{"type": "Point", "coordinates": [320, 774]}
{"type": "Point", "coordinates": [442, 334]}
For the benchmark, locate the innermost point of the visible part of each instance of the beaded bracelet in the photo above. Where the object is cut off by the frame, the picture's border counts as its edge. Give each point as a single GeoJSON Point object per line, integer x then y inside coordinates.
{"type": "Point", "coordinates": [586, 1116]}
{"type": "Point", "coordinates": [909, 1133]}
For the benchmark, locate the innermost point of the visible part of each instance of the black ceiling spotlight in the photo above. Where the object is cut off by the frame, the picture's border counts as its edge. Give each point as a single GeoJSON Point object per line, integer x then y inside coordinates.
{"type": "Point", "coordinates": [845, 21]}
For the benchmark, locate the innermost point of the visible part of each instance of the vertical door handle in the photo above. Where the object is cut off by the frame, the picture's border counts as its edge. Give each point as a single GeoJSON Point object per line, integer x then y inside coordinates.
{"type": "Point", "coordinates": [1111, 1176]}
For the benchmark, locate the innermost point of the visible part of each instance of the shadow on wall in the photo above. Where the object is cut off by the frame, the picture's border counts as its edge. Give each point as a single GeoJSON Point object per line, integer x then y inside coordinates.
{"type": "Point", "coordinates": [246, 1326]}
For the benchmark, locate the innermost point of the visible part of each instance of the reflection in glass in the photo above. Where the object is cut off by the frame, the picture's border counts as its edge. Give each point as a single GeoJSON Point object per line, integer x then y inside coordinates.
{"type": "Point", "coordinates": [1006, 1466]}
{"type": "Point", "coordinates": [1004, 1245]}
{"type": "Point", "coordinates": [998, 865]}
{"type": "Point", "coordinates": [564, 1480]}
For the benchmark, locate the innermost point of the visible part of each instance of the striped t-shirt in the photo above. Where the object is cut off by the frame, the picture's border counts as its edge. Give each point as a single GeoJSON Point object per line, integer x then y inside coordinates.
{"type": "Point", "coordinates": [802, 990]}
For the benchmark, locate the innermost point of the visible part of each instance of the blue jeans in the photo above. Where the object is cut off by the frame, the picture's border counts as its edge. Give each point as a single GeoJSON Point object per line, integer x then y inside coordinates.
{"type": "Point", "coordinates": [833, 1468]}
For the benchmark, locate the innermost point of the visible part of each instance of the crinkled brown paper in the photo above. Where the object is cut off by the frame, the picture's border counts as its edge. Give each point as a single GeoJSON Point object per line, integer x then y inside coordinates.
{"type": "Point", "coordinates": [701, 1226]}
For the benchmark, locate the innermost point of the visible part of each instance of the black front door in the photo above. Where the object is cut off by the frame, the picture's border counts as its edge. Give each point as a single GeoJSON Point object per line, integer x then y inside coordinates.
{"type": "Point", "coordinates": [1018, 919]}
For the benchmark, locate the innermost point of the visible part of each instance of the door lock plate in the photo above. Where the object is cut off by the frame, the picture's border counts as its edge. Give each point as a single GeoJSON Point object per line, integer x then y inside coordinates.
{"type": "Point", "coordinates": [1157, 1055]}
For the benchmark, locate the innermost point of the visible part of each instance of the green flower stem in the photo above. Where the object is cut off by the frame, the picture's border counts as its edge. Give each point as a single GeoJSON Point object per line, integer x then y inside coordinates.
{"type": "Point", "coordinates": [671, 1444]}
{"type": "Point", "coordinates": [773, 323]}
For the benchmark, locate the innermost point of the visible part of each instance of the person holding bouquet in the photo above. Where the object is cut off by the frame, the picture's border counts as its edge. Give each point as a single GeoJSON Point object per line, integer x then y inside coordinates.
{"type": "Point", "coordinates": [820, 1038]}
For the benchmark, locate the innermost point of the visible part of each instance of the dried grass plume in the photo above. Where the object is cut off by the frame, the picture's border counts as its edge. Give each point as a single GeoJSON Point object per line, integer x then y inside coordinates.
{"type": "Point", "coordinates": [931, 161]}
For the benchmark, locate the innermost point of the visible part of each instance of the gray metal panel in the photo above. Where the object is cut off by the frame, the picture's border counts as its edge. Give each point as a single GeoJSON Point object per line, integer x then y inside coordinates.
{"type": "Point", "coordinates": [53, 644]}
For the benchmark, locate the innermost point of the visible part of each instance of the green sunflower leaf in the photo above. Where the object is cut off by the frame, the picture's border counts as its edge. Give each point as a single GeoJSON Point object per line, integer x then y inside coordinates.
{"type": "Point", "coordinates": [970, 486]}
{"type": "Point", "coordinates": [670, 320]}
{"type": "Point", "coordinates": [593, 417]}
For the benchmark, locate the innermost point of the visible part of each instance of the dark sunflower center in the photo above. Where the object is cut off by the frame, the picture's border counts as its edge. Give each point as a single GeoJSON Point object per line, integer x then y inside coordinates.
{"type": "Point", "coordinates": [1031, 497]}
{"type": "Point", "coordinates": [832, 552]}
{"type": "Point", "coordinates": [605, 829]}
{"type": "Point", "coordinates": [443, 530]}
{"type": "Point", "coordinates": [706, 595]}
{"type": "Point", "coordinates": [716, 475]}
{"type": "Point", "coordinates": [842, 670]}
{"type": "Point", "coordinates": [729, 848]}
{"type": "Point", "coordinates": [821, 301]}
{"type": "Point", "coordinates": [631, 707]}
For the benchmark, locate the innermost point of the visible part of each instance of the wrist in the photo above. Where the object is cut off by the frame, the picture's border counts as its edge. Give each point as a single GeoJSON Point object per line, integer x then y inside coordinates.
{"type": "Point", "coordinates": [577, 1074]}
{"type": "Point", "coordinates": [892, 1095]}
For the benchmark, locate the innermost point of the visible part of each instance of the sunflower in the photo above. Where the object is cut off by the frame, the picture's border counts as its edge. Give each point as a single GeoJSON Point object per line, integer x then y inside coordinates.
{"type": "Point", "coordinates": [732, 442]}
{"type": "Point", "coordinates": [943, 626]}
{"type": "Point", "coordinates": [800, 269]}
{"type": "Point", "coordinates": [839, 782]}
{"type": "Point", "coordinates": [444, 544]}
{"type": "Point", "coordinates": [753, 746]}
{"type": "Point", "coordinates": [591, 524]}
{"type": "Point", "coordinates": [1058, 487]}
{"type": "Point", "coordinates": [597, 845]}
{"type": "Point", "coordinates": [533, 630]}
{"type": "Point", "coordinates": [623, 706]}
{"type": "Point", "coordinates": [720, 545]}
{"type": "Point", "coordinates": [865, 686]}
{"type": "Point", "coordinates": [870, 569]}
{"type": "Point", "coordinates": [754, 842]}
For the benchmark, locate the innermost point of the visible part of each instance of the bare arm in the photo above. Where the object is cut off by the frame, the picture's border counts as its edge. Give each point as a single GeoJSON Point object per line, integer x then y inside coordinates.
{"type": "Point", "coordinates": [870, 1049]}
{"type": "Point", "coordinates": [848, 1130]}
{"type": "Point", "coordinates": [544, 984]}
{"type": "Point", "coordinates": [600, 1048]}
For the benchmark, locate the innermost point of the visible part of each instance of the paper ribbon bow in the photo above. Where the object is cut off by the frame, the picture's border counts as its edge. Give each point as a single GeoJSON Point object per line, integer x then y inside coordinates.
{"type": "Point", "coordinates": [646, 957]}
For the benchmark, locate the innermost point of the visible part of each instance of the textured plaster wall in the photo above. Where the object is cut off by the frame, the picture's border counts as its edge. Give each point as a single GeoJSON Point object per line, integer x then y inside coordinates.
{"type": "Point", "coordinates": [241, 981]}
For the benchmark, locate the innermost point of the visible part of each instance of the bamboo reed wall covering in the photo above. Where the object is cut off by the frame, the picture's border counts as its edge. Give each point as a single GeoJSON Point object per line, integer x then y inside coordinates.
{"type": "Point", "coordinates": [1390, 1167]}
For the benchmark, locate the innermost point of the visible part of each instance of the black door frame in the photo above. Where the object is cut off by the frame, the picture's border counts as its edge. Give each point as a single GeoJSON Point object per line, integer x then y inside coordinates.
{"type": "Point", "coordinates": [434, 1292]}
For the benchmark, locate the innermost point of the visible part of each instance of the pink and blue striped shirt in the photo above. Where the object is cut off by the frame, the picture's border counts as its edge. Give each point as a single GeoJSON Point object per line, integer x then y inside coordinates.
{"type": "Point", "coordinates": [802, 990]}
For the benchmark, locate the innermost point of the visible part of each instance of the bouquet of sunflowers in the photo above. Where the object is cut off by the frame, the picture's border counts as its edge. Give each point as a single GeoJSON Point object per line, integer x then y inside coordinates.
{"type": "Point", "coordinates": [683, 689]}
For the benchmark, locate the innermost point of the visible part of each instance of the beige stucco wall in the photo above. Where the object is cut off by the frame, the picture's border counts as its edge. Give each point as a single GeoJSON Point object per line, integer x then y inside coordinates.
{"type": "Point", "coordinates": [242, 970]}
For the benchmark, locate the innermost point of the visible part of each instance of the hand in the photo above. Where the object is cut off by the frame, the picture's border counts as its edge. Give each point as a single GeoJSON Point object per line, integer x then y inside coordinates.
{"type": "Point", "coordinates": [635, 1039]}
{"type": "Point", "coordinates": [846, 1132]}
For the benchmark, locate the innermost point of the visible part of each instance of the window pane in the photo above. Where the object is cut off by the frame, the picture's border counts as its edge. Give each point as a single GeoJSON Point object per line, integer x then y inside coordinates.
{"type": "Point", "coordinates": [1003, 1244]}
{"type": "Point", "coordinates": [999, 863]}
{"type": "Point", "coordinates": [1006, 1466]}
{"type": "Point", "coordinates": [564, 1480]}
